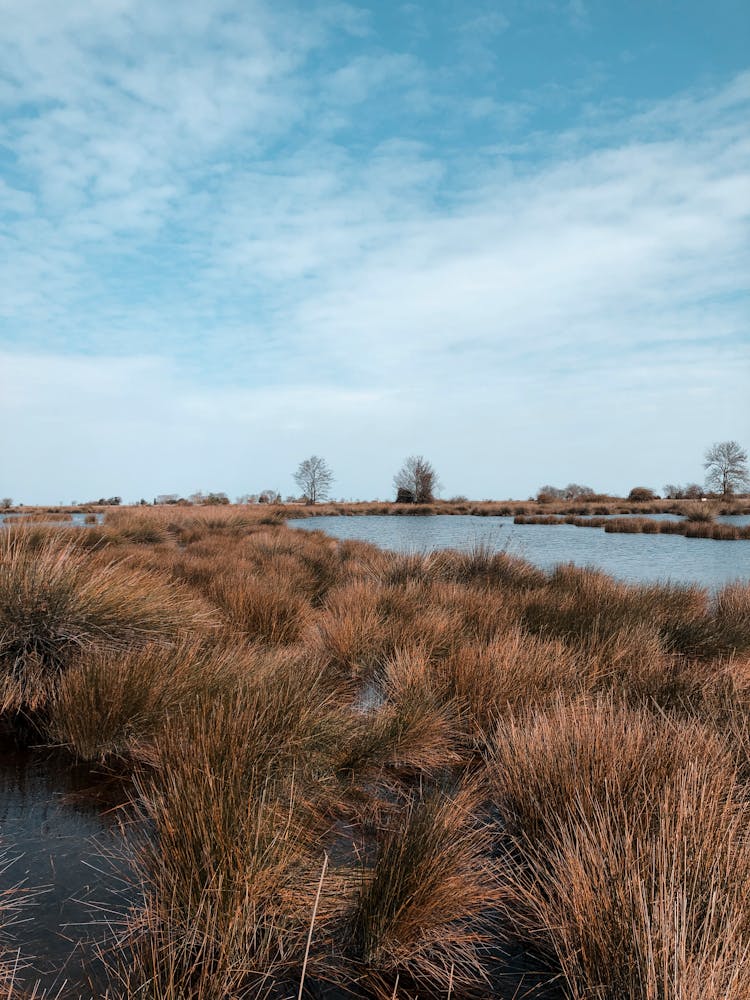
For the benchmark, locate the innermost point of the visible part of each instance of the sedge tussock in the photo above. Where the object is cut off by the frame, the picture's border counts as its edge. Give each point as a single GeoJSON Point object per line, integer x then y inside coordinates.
{"type": "Point", "coordinates": [113, 701]}
{"type": "Point", "coordinates": [267, 608]}
{"type": "Point", "coordinates": [55, 602]}
{"type": "Point", "coordinates": [651, 909]}
{"type": "Point", "coordinates": [231, 862]}
{"type": "Point", "coordinates": [423, 911]}
{"type": "Point", "coordinates": [586, 750]}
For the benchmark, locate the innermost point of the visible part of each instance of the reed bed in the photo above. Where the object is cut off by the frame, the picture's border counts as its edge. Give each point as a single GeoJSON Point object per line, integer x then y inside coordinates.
{"type": "Point", "coordinates": [628, 850]}
{"type": "Point", "coordinates": [385, 773]}
{"type": "Point", "coordinates": [697, 524]}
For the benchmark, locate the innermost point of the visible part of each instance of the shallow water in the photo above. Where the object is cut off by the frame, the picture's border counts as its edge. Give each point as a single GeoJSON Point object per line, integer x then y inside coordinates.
{"type": "Point", "coordinates": [61, 837]}
{"type": "Point", "coordinates": [74, 521]}
{"type": "Point", "coordinates": [633, 558]}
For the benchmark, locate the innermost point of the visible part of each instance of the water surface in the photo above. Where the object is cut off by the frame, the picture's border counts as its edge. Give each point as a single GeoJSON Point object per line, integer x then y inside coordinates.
{"type": "Point", "coordinates": [61, 839]}
{"type": "Point", "coordinates": [76, 520]}
{"type": "Point", "coordinates": [633, 558]}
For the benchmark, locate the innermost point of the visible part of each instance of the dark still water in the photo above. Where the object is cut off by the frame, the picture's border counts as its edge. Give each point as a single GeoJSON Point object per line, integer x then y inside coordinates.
{"type": "Point", "coordinates": [61, 839]}
{"type": "Point", "coordinates": [634, 558]}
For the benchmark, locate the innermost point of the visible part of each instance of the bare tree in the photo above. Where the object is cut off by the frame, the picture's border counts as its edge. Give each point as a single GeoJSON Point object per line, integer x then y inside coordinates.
{"type": "Point", "coordinates": [726, 467]}
{"type": "Point", "coordinates": [416, 481]}
{"type": "Point", "coordinates": [574, 491]}
{"type": "Point", "coordinates": [6, 503]}
{"type": "Point", "coordinates": [547, 493]}
{"type": "Point", "coordinates": [690, 492]}
{"type": "Point", "coordinates": [314, 478]}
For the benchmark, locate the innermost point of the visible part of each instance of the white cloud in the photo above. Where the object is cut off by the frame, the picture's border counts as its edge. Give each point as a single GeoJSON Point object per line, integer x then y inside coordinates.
{"type": "Point", "coordinates": [190, 207]}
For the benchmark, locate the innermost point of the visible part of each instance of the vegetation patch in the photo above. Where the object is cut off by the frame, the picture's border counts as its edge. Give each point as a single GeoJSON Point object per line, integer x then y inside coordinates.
{"type": "Point", "coordinates": [390, 774]}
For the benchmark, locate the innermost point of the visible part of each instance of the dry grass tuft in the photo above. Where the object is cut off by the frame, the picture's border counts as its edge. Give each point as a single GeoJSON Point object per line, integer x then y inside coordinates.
{"type": "Point", "coordinates": [266, 608]}
{"type": "Point", "coordinates": [115, 701]}
{"type": "Point", "coordinates": [55, 603]}
{"type": "Point", "coordinates": [647, 903]}
{"type": "Point", "coordinates": [423, 912]}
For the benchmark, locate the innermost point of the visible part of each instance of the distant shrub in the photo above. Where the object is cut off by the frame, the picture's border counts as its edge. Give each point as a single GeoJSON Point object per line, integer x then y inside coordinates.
{"type": "Point", "coordinates": [699, 514]}
{"type": "Point", "coordinates": [641, 494]}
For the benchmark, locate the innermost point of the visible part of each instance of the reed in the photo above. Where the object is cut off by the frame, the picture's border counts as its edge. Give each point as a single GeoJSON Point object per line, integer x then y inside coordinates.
{"type": "Point", "coordinates": [422, 913]}
{"type": "Point", "coordinates": [470, 750]}
{"type": "Point", "coordinates": [55, 603]}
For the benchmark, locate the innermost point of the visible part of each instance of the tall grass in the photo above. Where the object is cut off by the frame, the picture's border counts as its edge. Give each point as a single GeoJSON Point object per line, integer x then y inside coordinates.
{"type": "Point", "coordinates": [626, 852]}
{"type": "Point", "coordinates": [649, 904]}
{"type": "Point", "coordinates": [376, 770]}
{"type": "Point", "coordinates": [233, 792]}
{"type": "Point", "coordinates": [113, 702]}
{"type": "Point", "coordinates": [56, 603]}
{"type": "Point", "coordinates": [423, 912]}
{"type": "Point", "coordinates": [266, 608]}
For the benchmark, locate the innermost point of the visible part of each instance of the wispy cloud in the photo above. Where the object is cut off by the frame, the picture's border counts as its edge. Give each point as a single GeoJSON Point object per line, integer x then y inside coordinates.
{"type": "Point", "coordinates": [276, 211]}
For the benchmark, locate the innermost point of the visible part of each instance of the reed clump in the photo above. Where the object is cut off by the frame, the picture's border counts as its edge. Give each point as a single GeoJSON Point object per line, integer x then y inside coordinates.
{"type": "Point", "coordinates": [424, 912]}
{"type": "Point", "coordinates": [56, 603]}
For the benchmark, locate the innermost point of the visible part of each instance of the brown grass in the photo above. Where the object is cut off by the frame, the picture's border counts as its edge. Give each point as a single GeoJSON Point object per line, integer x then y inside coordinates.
{"type": "Point", "coordinates": [113, 702]}
{"type": "Point", "coordinates": [485, 753]}
{"type": "Point", "coordinates": [648, 903]}
{"type": "Point", "coordinates": [55, 603]}
{"type": "Point", "coordinates": [422, 912]}
{"type": "Point", "coordinates": [699, 523]}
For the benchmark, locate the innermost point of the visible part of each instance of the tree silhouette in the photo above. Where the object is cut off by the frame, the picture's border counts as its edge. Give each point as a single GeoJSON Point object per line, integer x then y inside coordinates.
{"type": "Point", "coordinates": [416, 481]}
{"type": "Point", "coordinates": [314, 478]}
{"type": "Point", "coordinates": [726, 467]}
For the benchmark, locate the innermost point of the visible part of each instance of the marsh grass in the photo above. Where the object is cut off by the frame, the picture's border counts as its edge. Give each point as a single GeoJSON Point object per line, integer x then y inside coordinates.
{"type": "Point", "coordinates": [56, 603]}
{"type": "Point", "coordinates": [557, 759]}
{"type": "Point", "coordinates": [113, 701]}
{"type": "Point", "coordinates": [266, 608]}
{"type": "Point", "coordinates": [588, 752]}
{"type": "Point", "coordinates": [626, 850]}
{"type": "Point", "coordinates": [233, 792]}
{"type": "Point", "coordinates": [481, 682]}
{"type": "Point", "coordinates": [647, 903]}
{"type": "Point", "coordinates": [699, 522]}
{"type": "Point", "coordinates": [584, 605]}
{"type": "Point", "coordinates": [423, 913]}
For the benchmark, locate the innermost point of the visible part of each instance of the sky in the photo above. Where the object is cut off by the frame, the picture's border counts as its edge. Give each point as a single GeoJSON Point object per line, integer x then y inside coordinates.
{"type": "Point", "coordinates": [509, 236]}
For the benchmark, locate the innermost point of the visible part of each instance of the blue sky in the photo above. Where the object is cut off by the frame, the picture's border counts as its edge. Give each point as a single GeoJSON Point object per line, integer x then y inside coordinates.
{"type": "Point", "coordinates": [512, 237]}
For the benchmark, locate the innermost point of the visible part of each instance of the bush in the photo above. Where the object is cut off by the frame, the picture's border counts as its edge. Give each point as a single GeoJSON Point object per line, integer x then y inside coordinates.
{"type": "Point", "coordinates": [641, 494]}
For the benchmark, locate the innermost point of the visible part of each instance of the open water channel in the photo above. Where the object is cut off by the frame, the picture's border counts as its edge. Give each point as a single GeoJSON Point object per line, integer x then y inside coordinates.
{"type": "Point", "coordinates": [634, 558]}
